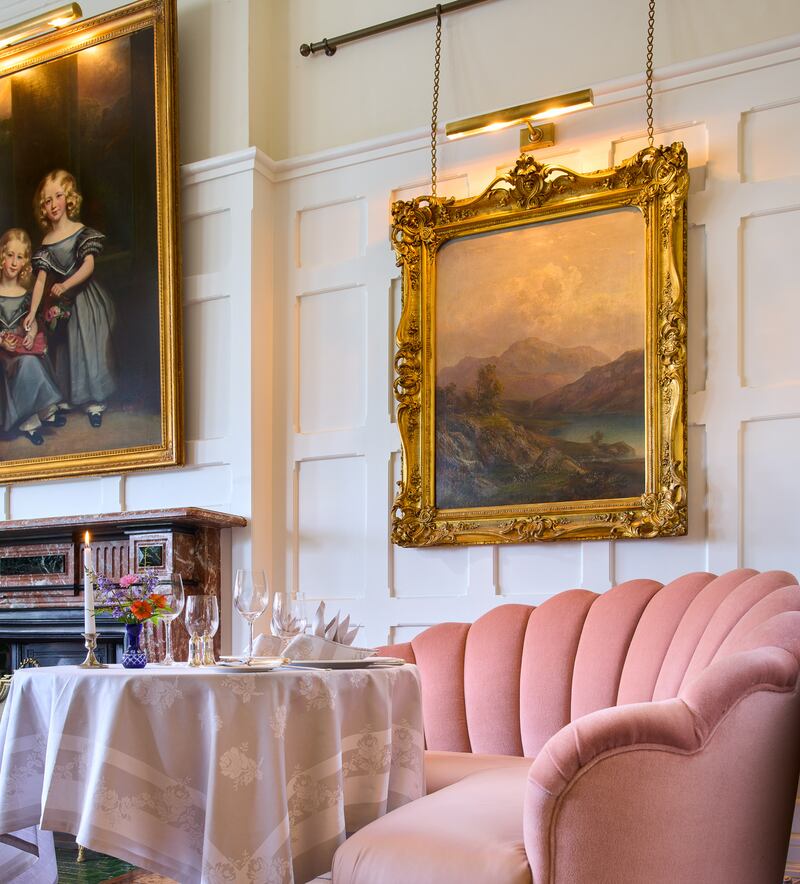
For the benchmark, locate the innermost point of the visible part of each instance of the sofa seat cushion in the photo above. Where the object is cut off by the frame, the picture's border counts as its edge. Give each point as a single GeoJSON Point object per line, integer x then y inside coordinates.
{"type": "Point", "coordinates": [445, 768]}
{"type": "Point", "coordinates": [470, 832]}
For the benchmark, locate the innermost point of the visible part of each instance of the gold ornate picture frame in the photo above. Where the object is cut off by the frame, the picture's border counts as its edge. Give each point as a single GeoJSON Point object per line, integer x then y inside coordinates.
{"type": "Point", "coordinates": [541, 356]}
{"type": "Point", "coordinates": [89, 204]}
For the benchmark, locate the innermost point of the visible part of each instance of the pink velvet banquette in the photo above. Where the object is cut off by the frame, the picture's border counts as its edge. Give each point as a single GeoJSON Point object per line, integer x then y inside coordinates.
{"type": "Point", "coordinates": [647, 735]}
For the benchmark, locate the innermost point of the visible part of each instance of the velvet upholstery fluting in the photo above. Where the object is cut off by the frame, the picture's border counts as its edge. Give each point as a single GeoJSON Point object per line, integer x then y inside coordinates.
{"type": "Point", "coordinates": [661, 727]}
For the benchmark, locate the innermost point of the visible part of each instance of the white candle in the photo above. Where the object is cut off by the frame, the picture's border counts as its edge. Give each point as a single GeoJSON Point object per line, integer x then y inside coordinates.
{"type": "Point", "coordinates": [88, 589]}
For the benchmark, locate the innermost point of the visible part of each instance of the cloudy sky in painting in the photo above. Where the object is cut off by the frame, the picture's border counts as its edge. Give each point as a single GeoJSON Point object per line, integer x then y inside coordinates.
{"type": "Point", "coordinates": [572, 283]}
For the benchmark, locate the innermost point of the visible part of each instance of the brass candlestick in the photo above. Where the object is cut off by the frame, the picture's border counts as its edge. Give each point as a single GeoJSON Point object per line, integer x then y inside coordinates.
{"type": "Point", "coordinates": [91, 662]}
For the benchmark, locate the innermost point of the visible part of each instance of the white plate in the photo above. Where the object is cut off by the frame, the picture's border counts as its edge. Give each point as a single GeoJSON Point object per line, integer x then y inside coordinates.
{"type": "Point", "coordinates": [366, 663]}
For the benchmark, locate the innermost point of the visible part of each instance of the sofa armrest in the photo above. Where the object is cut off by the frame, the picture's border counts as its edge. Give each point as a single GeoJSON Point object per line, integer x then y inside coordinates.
{"type": "Point", "coordinates": [655, 790]}
{"type": "Point", "coordinates": [404, 651]}
{"type": "Point", "coordinates": [668, 724]}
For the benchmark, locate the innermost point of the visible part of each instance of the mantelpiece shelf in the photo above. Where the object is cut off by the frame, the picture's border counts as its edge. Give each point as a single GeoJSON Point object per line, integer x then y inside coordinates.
{"type": "Point", "coordinates": [135, 520]}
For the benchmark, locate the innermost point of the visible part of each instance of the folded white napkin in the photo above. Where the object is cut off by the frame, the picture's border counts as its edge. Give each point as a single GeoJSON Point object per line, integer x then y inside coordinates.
{"type": "Point", "coordinates": [268, 646]}
{"type": "Point", "coordinates": [307, 647]}
{"type": "Point", "coordinates": [314, 647]}
{"type": "Point", "coordinates": [335, 630]}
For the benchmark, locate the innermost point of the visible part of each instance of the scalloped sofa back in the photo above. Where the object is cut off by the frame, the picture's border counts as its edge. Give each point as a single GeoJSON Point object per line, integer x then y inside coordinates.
{"type": "Point", "coordinates": [647, 734]}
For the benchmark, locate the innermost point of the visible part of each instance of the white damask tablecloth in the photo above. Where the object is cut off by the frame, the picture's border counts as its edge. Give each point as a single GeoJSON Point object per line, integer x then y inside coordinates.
{"type": "Point", "coordinates": [206, 775]}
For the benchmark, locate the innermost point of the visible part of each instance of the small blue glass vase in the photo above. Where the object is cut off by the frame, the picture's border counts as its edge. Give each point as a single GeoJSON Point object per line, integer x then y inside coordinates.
{"type": "Point", "coordinates": [133, 655]}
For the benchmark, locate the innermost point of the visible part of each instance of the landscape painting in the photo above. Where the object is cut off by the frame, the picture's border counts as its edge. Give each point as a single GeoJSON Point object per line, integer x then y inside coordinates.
{"type": "Point", "coordinates": [540, 363]}
{"type": "Point", "coordinates": [540, 360]}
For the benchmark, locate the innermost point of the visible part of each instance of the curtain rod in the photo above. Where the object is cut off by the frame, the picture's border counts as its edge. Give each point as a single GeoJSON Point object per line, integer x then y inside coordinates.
{"type": "Point", "coordinates": [331, 45]}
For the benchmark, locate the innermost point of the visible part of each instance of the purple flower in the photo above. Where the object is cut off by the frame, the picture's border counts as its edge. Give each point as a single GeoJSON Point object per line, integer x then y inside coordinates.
{"type": "Point", "coordinates": [117, 599]}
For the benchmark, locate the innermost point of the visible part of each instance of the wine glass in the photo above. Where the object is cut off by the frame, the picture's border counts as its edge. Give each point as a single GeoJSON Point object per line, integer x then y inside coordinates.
{"type": "Point", "coordinates": [197, 620]}
{"type": "Point", "coordinates": [251, 599]}
{"type": "Point", "coordinates": [289, 617]}
{"type": "Point", "coordinates": [212, 620]}
{"type": "Point", "coordinates": [171, 586]}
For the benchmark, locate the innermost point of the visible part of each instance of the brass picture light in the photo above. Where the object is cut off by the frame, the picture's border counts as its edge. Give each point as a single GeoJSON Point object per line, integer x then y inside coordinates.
{"type": "Point", "coordinates": [521, 113]}
{"type": "Point", "coordinates": [40, 24]}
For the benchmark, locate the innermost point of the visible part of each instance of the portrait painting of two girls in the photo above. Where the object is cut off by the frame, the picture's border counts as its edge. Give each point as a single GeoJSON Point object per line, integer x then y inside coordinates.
{"type": "Point", "coordinates": [81, 264]}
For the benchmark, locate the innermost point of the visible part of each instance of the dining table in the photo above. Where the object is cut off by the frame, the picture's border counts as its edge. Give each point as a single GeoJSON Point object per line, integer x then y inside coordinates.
{"type": "Point", "coordinates": [210, 774]}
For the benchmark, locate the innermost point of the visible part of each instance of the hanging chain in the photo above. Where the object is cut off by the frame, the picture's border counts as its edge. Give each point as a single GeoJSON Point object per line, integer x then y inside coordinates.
{"type": "Point", "coordinates": [651, 18]}
{"type": "Point", "coordinates": [435, 108]}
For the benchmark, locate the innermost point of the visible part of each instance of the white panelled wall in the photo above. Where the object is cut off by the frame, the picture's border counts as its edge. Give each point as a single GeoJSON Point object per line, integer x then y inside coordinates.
{"type": "Point", "coordinates": [337, 302]}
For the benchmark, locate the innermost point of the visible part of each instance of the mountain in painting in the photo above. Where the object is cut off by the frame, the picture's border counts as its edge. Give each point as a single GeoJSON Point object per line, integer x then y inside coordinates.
{"type": "Point", "coordinates": [614, 388]}
{"type": "Point", "coordinates": [528, 369]}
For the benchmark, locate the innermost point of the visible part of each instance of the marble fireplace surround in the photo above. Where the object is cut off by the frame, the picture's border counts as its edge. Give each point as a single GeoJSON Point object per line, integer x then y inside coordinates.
{"type": "Point", "coordinates": [41, 580]}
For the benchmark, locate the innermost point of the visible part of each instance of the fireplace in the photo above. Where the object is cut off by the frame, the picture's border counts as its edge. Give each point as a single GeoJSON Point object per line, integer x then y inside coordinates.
{"type": "Point", "coordinates": [41, 579]}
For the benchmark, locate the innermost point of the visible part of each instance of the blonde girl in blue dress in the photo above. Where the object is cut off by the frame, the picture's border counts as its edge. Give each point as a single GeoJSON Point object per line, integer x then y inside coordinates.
{"type": "Point", "coordinates": [84, 364]}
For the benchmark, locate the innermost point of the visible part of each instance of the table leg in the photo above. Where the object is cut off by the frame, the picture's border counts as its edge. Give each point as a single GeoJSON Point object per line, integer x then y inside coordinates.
{"type": "Point", "coordinates": [81, 854]}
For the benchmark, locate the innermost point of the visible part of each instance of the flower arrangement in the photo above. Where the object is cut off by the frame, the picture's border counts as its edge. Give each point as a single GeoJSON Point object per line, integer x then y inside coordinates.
{"type": "Point", "coordinates": [54, 313]}
{"type": "Point", "coordinates": [133, 600]}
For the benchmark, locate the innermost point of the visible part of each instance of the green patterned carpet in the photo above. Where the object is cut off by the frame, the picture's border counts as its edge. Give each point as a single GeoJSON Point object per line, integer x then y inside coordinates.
{"type": "Point", "coordinates": [96, 867]}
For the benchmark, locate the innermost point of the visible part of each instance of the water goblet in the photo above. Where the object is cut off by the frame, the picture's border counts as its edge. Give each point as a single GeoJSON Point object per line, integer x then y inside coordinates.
{"type": "Point", "coordinates": [251, 599]}
{"type": "Point", "coordinates": [289, 617]}
{"type": "Point", "coordinates": [212, 619]}
{"type": "Point", "coordinates": [196, 619]}
{"type": "Point", "coordinates": [153, 640]}
{"type": "Point", "coordinates": [171, 586]}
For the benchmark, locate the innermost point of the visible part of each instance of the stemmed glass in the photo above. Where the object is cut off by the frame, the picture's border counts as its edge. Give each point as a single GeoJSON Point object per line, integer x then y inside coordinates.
{"type": "Point", "coordinates": [251, 599]}
{"type": "Point", "coordinates": [171, 586]}
{"type": "Point", "coordinates": [289, 617]}
{"type": "Point", "coordinates": [197, 625]}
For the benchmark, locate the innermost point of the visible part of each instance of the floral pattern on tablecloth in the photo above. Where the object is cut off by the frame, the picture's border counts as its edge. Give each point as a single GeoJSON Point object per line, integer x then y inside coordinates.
{"type": "Point", "coordinates": [242, 686]}
{"type": "Point", "coordinates": [406, 750]}
{"type": "Point", "coordinates": [172, 804]}
{"type": "Point", "coordinates": [161, 693]}
{"type": "Point", "coordinates": [239, 767]}
{"type": "Point", "coordinates": [71, 767]}
{"type": "Point", "coordinates": [26, 764]}
{"type": "Point", "coordinates": [371, 756]}
{"type": "Point", "coordinates": [210, 777]}
{"type": "Point", "coordinates": [249, 870]}
{"type": "Point", "coordinates": [319, 694]}
{"type": "Point", "coordinates": [278, 720]}
{"type": "Point", "coordinates": [310, 796]}
{"type": "Point", "coordinates": [357, 678]}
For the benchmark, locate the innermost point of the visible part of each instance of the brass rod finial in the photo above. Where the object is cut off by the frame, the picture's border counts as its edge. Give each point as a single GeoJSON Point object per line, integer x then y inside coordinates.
{"type": "Point", "coordinates": [437, 11]}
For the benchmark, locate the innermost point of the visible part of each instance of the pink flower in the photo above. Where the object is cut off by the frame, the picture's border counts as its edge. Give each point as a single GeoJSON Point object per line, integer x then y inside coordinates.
{"type": "Point", "coordinates": [128, 580]}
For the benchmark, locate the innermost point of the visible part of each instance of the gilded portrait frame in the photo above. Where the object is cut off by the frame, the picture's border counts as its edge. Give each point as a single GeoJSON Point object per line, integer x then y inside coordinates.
{"type": "Point", "coordinates": [655, 182]}
{"type": "Point", "coordinates": [152, 23]}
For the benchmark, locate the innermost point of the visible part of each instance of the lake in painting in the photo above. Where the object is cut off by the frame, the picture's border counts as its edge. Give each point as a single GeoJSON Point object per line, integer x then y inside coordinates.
{"type": "Point", "coordinates": [540, 363]}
